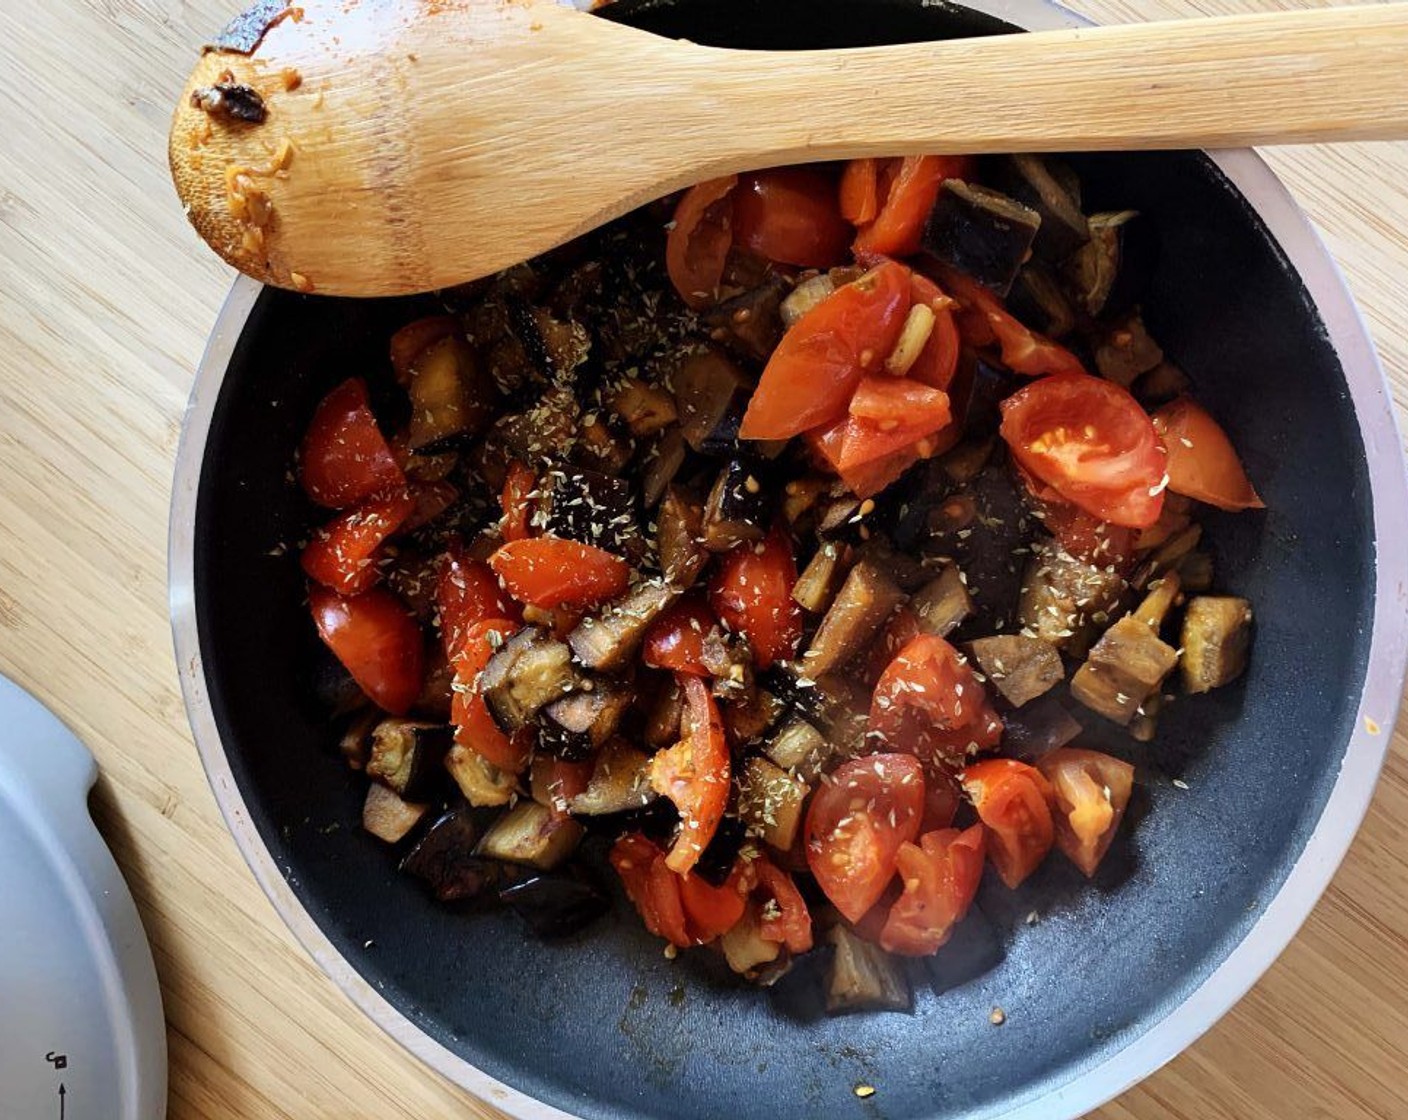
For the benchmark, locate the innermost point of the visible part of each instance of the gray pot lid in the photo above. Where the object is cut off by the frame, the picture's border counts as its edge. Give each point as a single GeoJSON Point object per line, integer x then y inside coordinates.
{"type": "Point", "coordinates": [81, 1030]}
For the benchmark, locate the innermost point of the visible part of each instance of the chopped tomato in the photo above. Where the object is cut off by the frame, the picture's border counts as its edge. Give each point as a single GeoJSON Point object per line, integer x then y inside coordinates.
{"type": "Point", "coordinates": [1014, 801]}
{"type": "Point", "coordinates": [927, 685]}
{"type": "Point", "coordinates": [695, 775]}
{"type": "Point", "coordinates": [942, 797]}
{"type": "Point", "coordinates": [698, 241]}
{"type": "Point", "coordinates": [675, 640]}
{"type": "Point", "coordinates": [941, 875]}
{"type": "Point", "coordinates": [519, 485]}
{"type": "Point", "coordinates": [938, 361]}
{"type": "Point", "coordinates": [888, 414]}
{"type": "Point", "coordinates": [860, 191]}
{"type": "Point", "coordinates": [1202, 463]}
{"type": "Point", "coordinates": [751, 592]}
{"type": "Point", "coordinates": [553, 572]}
{"type": "Point", "coordinates": [1091, 792]}
{"type": "Point", "coordinates": [652, 887]}
{"type": "Point", "coordinates": [467, 592]}
{"type": "Point", "coordinates": [1092, 443]}
{"type": "Point", "coordinates": [344, 457]}
{"type": "Point", "coordinates": [869, 478]}
{"type": "Point", "coordinates": [856, 823]}
{"type": "Point", "coordinates": [556, 782]}
{"type": "Point", "coordinates": [814, 370]}
{"type": "Point", "coordinates": [376, 641]}
{"type": "Point", "coordinates": [899, 223]}
{"type": "Point", "coordinates": [414, 339]}
{"type": "Point", "coordinates": [710, 911]}
{"type": "Point", "coordinates": [475, 727]}
{"type": "Point", "coordinates": [984, 321]}
{"type": "Point", "coordinates": [788, 921]}
{"type": "Point", "coordinates": [431, 500]}
{"type": "Point", "coordinates": [343, 554]}
{"type": "Point", "coordinates": [791, 215]}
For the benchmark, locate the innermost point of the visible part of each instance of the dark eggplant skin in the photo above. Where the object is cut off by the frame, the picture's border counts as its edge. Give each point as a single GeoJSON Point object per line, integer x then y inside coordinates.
{"type": "Point", "coordinates": [445, 858]}
{"type": "Point", "coordinates": [1051, 189]}
{"type": "Point", "coordinates": [739, 506]}
{"type": "Point", "coordinates": [592, 508]}
{"type": "Point", "coordinates": [657, 819]}
{"type": "Point", "coordinates": [333, 685]}
{"type": "Point", "coordinates": [981, 232]}
{"type": "Point", "coordinates": [750, 324]}
{"type": "Point", "coordinates": [721, 853]}
{"type": "Point", "coordinates": [1112, 271]}
{"type": "Point", "coordinates": [557, 904]}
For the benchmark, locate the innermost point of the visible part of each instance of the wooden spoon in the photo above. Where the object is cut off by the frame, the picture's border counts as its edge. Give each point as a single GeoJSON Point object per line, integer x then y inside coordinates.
{"type": "Point", "coordinates": [411, 146]}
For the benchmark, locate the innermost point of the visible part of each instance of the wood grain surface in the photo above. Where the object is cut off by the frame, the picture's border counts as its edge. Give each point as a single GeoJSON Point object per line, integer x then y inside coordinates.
{"type": "Point", "coordinates": [106, 298]}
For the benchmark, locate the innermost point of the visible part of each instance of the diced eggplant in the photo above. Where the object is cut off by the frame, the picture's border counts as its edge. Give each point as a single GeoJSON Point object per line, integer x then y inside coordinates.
{"type": "Point", "coordinates": [530, 671]}
{"type": "Point", "coordinates": [590, 507]}
{"type": "Point", "coordinates": [801, 498]}
{"type": "Point", "coordinates": [1124, 667]}
{"type": "Point", "coordinates": [600, 447]}
{"type": "Point", "coordinates": [1161, 596]}
{"type": "Point", "coordinates": [576, 726]}
{"type": "Point", "coordinates": [607, 641]}
{"type": "Point", "coordinates": [333, 685]}
{"type": "Point", "coordinates": [387, 817]}
{"type": "Point", "coordinates": [863, 977]}
{"type": "Point", "coordinates": [355, 746]}
{"type": "Point", "coordinates": [407, 756]}
{"type": "Point", "coordinates": [943, 603]}
{"type": "Point", "coordinates": [1161, 384]}
{"type": "Point", "coordinates": [834, 703]}
{"type": "Point", "coordinates": [739, 506]}
{"type": "Point", "coordinates": [662, 464]}
{"type": "Point", "coordinates": [821, 579]}
{"type": "Point", "coordinates": [1053, 191]}
{"type": "Point", "coordinates": [1196, 571]}
{"type": "Point", "coordinates": [863, 605]}
{"type": "Point", "coordinates": [437, 687]}
{"type": "Point", "coordinates": [557, 905]}
{"type": "Point", "coordinates": [981, 232]}
{"type": "Point", "coordinates": [620, 782]}
{"type": "Point", "coordinates": [748, 717]}
{"type": "Point", "coordinates": [800, 749]}
{"type": "Point", "coordinates": [1062, 596]}
{"type": "Point", "coordinates": [444, 858]}
{"type": "Point", "coordinates": [451, 399]}
{"type": "Point", "coordinates": [545, 430]}
{"type": "Point", "coordinates": [645, 409]}
{"type": "Point", "coordinates": [770, 802]}
{"type": "Point", "coordinates": [730, 662]}
{"type": "Point", "coordinates": [554, 348]}
{"type": "Point", "coordinates": [1216, 639]}
{"type": "Point", "coordinates": [721, 853]}
{"type": "Point", "coordinates": [1040, 303]}
{"type": "Point", "coordinates": [979, 387]}
{"type": "Point", "coordinates": [966, 460]}
{"type": "Point", "coordinates": [529, 834]}
{"type": "Point", "coordinates": [805, 296]}
{"type": "Point", "coordinates": [662, 717]}
{"type": "Point", "coordinates": [658, 819]}
{"type": "Point", "coordinates": [1145, 723]}
{"type": "Point", "coordinates": [482, 783]}
{"type": "Point", "coordinates": [1126, 350]}
{"type": "Point", "coordinates": [1019, 667]}
{"type": "Point", "coordinates": [836, 512]}
{"type": "Point", "coordinates": [749, 324]}
{"type": "Point", "coordinates": [711, 394]}
{"type": "Point", "coordinates": [908, 572]}
{"type": "Point", "coordinates": [744, 946]}
{"type": "Point", "coordinates": [1038, 727]}
{"type": "Point", "coordinates": [679, 529]}
{"type": "Point", "coordinates": [1108, 274]}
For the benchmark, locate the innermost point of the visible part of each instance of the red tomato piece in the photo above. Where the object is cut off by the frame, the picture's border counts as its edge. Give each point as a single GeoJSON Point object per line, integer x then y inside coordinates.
{"type": "Point", "coordinates": [675, 640]}
{"type": "Point", "coordinates": [699, 239]}
{"type": "Point", "coordinates": [942, 797]}
{"type": "Point", "coordinates": [860, 191]}
{"type": "Point", "coordinates": [929, 683]}
{"type": "Point", "coordinates": [1091, 792]}
{"type": "Point", "coordinates": [652, 887]}
{"type": "Point", "coordinates": [468, 592]}
{"type": "Point", "coordinates": [888, 414]}
{"type": "Point", "coordinates": [562, 782]}
{"type": "Point", "coordinates": [412, 340]}
{"type": "Point", "coordinates": [1202, 463]}
{"type": "Point", "coordinates": [938, 361]}
{"type": "Point", "coordinates": [789, 921]}
{"type": "Point", "coordinates": [376, 641]}
{"type": "Point", "coordinates": [751, 592]}
{"type": "Point", "coordinates": [519, 485]}
{"type": "Point", "coordinates": [941, 875]}
{"type": "Point", "coordinates": [856, 823]}
{"type": "Point", "coordinates": [553, 572]}
{"type": "Point", "coordinates": [1092, 443]}
{"type": "Point", "coordinates": [814, 370]}
{"type": "Point", "coordinates": [902, 629]}
{"type": "Point", "coordinates": [984, 321]}
{"type": "Point", "coordinates": [695, 775]}
{"type": "Point", "coordinates": [344, 457]}
{"type": "Point", "coordinates": [899, 224]}
{"type": "Point", "coordinates": [1013, 801]}
{"type": "Point", "coordinates": [343, 554]}
{"type": "Point", "coordinates": [868, 478]}
{"type": "Point", "coordinates": [1081, 534]}
{"type": "Point", "coordinates": [475, 727]}
{"type": "Point", "coordinates": [791, 215]}
{"type": "Point", "coordinates": [710, 911]}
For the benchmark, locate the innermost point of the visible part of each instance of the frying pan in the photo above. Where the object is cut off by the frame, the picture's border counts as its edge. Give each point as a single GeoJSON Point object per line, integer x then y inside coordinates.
{"type": "Point", "coordinates": [1099, 983]}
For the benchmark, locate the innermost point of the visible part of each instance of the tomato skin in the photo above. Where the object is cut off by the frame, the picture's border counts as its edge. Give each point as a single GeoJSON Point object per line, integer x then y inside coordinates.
{"type": "Point", "coordinates": [860, 191]}
{"type": "Point", "coordinates": [697, 245]}
{"type": "Point", "coordinates": [866, 479]}
{"type": "Point", "coordinates": [475, 727]}
{"type": "Point", "coordinates": [710, 911]}
{"type": "Point", "coordinates": [941, 875]}
{"type": "Point", "coordinates": [983, 321]}
{"type": "Point", "coordinates": [377, 642]}
{"type": "Point", "coordinates": [344, 458]}
{"type": "Point", "coordinates": [790, 215]}
{"type": "Point", "coordinates": [695, 774]}
{"type": "Point", "coordinates": [926, 689]}
{"type": "Point", "coordinates": [899, 223]}
{"type": "Point", "coordinates": [468, 592]}
{"type": "Point", "coordinates": [1091, 442]}
{"type": "Point", "coordinates": [343, 553]}
{"type": "Point", "coordinates": [520, 482]}
{"type": "Point", "coordinates": [414, 339]}
{"type": "Point", "coordinates": [652, 887]}
{"type": "Point", "coordinates": [1013, 801]}
{"type": "Point", "coordinates": [812, 373]}
{"type": "Point", "coordinates": [792, 924]}
{"type": "Point", "coordinates": [856, 824]}
{"type": "Point", "coordinates": [1202, 463]}
{"type": "Point", "coordinates": [553, 572]}
{"type": "Point", "coordinates": [675, 640]}
{"type": "Point", "coordinates": [751, 592]}
{"type": "Point", "coordinates": [942, 797]}
{"type": "Point", "coordinates": [938, 361]}
{"type": "Point", "coordinates": [1090, 793]}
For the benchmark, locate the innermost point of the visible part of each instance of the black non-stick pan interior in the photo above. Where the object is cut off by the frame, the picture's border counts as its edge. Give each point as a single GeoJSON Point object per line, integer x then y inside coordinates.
{"type": "Point", "coordinates": [605, 1026]}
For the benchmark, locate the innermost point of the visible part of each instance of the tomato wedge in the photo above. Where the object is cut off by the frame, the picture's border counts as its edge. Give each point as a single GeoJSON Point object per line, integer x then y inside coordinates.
{"type": "Point", "coordinates": [925, 692]}
{"type": "Point", "coordinates": [787, 921]}
{"type": "Point", "coordinates": [1091, 792]}
{"type": "Point", "coordinates": [699, 238]}
{"type": "Point", "coordinates": [860, 191]}
{"type": "Point", "coordinates": [899, 222]}
{"type": "Point", "coordinates": [344, 458]}
{"type": "Point", "coordinates": [811, 375]}
{"type": "Point", "coordinates": [553, 572]}
{"type": "Point", "coordinates": [695, 775]}
{"type": "Point", "coordinates": [376, 641]}
{"type": "Point", "coordinates": [856, 823]}
{"type": "Point", "coordinates": [343, 554]}
{"type": "Point", "coordinates": [710, 911]}
{"type": "Point", "coordinates": [941, 875]}
{"type": "Point", "coordinates": [1013, 801]}
{"type": "Point", "coordinates": [938, 361]}
{"type": "Point", "coordinates": [468, 592]}
{"type": "Point", "coordinates": [869, 477]}
{"type": "Point", "coordinates": [1202, 463]}
{"type": "Point", "coordinates": [791, 215]}
{"type": "Point", "coordinates": [889, 414]}
{"type": "Point", "coordinates": [1092, 443]}
{"type": "Point", "coordinates": [475, 728]}
{"type": "Point", "coordinates": [751, 592]}
{"type": "Point", "coordinates": [984, 321]}
{"type": "Point", "coordinates": [652, 887]}
{"type": "Point", "coordinates": [517, 501]}
{"type": "Point", "coordinates": [675, 640]}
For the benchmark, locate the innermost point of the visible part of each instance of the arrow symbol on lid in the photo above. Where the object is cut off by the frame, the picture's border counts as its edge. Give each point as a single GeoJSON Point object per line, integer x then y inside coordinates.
{"type": "Point", "coordinates": [62, 1093]}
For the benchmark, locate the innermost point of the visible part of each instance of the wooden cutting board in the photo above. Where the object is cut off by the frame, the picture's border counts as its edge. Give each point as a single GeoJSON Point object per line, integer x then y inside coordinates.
{"type": "Point", "coordinates": [106, 298]}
